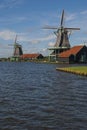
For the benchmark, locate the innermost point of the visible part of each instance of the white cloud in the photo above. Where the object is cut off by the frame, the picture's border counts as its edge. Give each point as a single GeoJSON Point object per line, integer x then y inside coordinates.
{"type": "Point", "coordinates": [84, 12]}
{"type": "Point", "coordinates": [47, 38]}
{"type": "Point", "coordinates": [34, 41]}
{"type": "Point", "coordinates": [44, 49]}
{"type": "Point", "coordinates": [7, 35]}
{"type": "Point", "coordinates": [10, 3]}
{"type": "Point", "coordinates": [51, 44]}
{"type": "Point", "coordinates": [10, 35]}
{"type": "Point", "coordinates": [70, 17]}
{"type": "Point", "coordinates": [12, 20]}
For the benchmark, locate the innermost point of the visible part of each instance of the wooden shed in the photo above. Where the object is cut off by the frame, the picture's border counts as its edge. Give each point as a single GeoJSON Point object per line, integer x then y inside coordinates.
{"type": "Point", "coordinates": [77, 54]}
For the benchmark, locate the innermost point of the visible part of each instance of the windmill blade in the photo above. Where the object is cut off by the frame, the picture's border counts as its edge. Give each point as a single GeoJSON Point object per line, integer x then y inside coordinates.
{"type": "Point", "coordinates": [33, 29]}
{"type": "Point", "coordinates": [49, 27]}
{"type": "Point", "coordinates": [62, 18]}
{"type": "Point", "coordinates": [72, 28]}
{"type": "Point", "coordinates": [10, 45]}
{"type": "Point", "coordinates": [16, 39]}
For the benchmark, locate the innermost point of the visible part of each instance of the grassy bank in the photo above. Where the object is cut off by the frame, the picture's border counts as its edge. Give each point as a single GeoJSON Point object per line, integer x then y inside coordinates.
{"type": "Point", "coordinates": [80, 70]}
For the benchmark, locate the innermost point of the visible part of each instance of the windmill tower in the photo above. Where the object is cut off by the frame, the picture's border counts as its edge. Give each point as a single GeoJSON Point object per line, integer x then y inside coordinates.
{"type": "Point", "coordinates": [17, 49]}
{"type": "Point", "coordinates": [62, 41]}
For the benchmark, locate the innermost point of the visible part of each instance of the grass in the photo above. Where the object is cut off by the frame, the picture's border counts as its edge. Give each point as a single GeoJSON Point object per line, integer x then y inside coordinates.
{"type": "Point", "coordinates": [81, 70]}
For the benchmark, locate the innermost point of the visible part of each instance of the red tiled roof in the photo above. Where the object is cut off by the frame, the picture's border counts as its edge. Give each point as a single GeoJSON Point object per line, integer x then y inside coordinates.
{"type": "Point", "coordinates": [35, 55]}
{"type": "Point", "coordinates": [73, 51]}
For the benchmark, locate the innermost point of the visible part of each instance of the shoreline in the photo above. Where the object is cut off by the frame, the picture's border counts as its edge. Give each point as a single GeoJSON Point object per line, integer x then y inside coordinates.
{"type": "Point", "coordinates": [82, 70]}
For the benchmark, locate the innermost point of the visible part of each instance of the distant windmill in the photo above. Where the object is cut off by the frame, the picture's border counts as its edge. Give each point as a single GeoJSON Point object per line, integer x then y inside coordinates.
{"type": "Point", "coordinates": [62, 33]}
{"type": "Point", "coordinates": [17, 48]}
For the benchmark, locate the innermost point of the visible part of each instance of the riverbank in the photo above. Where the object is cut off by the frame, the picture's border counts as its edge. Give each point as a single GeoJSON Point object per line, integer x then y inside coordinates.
{"type": "Point", "coordinates": [80, 70]}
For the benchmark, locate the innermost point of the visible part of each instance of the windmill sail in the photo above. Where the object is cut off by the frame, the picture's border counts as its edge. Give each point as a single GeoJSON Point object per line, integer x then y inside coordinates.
{"type": "Point", "coordinates": [62, 19]}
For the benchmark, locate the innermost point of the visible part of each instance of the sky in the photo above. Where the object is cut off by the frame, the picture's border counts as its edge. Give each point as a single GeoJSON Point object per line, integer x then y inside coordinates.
{"type": "Point", "coordinates": [26, 19]}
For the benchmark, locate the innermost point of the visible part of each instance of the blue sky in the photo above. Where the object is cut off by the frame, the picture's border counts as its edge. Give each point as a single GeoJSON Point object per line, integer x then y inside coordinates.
{"type": "Point", "coordinates": [26, 18]}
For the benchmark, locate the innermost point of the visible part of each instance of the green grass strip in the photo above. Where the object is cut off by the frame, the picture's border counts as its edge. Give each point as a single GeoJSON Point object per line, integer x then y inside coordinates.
{"type": "Point", "coordinates": [81, 70]}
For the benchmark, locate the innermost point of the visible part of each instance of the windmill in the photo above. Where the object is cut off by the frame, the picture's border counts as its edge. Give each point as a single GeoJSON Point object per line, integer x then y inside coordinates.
{"type": "Point", "coordinates": [17, 51]}
{"type": "Point", "coordinates": [17, 48]}
{"type": "Point", "coordinates": [62, 41]}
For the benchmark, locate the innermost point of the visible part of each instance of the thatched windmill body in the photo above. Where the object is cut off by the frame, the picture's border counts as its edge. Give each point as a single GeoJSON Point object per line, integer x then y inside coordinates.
{"type": "Point", "coordinates": [62, 41]}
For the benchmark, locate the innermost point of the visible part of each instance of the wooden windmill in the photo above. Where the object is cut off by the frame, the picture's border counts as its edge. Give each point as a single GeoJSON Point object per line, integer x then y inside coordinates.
{"type": "Point", "coordinates": [62, 41]}
{"type": "Point", "coordinates": [17, 48]}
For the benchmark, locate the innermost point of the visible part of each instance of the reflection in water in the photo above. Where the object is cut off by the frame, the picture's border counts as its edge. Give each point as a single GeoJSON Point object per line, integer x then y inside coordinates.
{"type": "Point", "coordinates": [37, 97]}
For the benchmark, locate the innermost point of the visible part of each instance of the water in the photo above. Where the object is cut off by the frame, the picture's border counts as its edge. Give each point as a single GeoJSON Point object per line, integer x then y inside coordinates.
{"type": "Point", "coordinates": [35, 96]}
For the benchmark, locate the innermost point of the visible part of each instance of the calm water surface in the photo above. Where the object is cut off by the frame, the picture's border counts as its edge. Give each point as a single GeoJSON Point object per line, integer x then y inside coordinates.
{"type": "Point", "coordinates": [35, 96]}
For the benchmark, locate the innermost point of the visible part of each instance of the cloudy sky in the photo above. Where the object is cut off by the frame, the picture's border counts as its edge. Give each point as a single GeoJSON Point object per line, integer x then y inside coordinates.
{"type": "Point", "coordinates": [26, 18]}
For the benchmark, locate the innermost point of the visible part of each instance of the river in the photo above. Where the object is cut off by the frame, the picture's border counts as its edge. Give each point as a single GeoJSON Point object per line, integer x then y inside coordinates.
{"type": "Point", "coordinates": [34, 96]}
